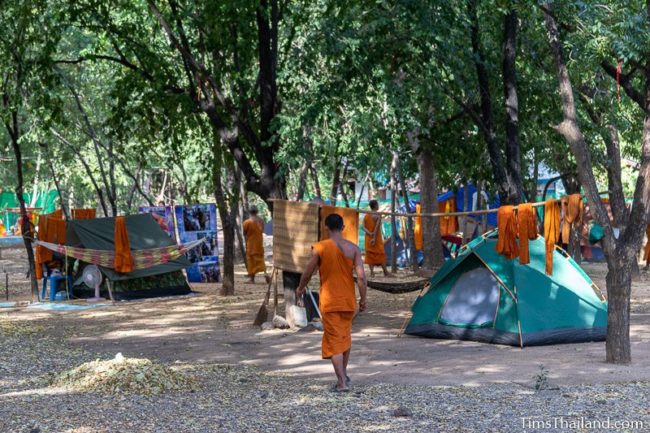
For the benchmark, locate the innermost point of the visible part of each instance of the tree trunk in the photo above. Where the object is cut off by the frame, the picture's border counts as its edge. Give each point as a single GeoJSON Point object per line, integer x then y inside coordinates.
{"type": "Point", "coordinates": [14, 133]}
{"type": "Point", "coordinates": [513, 158]}
{"type": "Point", "coordinates": [302, 181]}
{"type": "Point", "coordinates": [393, 206]}
{"type": "Point", "coordinates": [619, 252]}
{"type": "Point", "coordinates": [409, 221]}
{"type": "Point", "coordinates": [290, 282]}
{"type": "Point", "coordinates": [59, 191]}
{"type": "Point", "coordinates": [619, 282]}
{"type": "Point", "coordinates": [486, 119]}
{"type": "Point", "coordinates": [336, 181]}
{"type": "Point", "coordinates": [227, 222]}
{"type": "Point", "coordinates": [343, 183]}
{"type": "Point", "coordinates": [431, 239]}
{"type": "Point", "coordinates": [314, 178]}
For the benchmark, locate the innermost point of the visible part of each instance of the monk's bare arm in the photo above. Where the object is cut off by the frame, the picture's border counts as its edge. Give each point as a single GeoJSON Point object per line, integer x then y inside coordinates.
{"type": "Point", "coordinates": [306, 275]}
{"type": "Point", "coordinates": [361, 279]}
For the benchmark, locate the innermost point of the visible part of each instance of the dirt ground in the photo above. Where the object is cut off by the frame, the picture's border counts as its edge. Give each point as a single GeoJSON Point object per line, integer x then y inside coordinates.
{"type": "Point", "coordinates": [206, 327]}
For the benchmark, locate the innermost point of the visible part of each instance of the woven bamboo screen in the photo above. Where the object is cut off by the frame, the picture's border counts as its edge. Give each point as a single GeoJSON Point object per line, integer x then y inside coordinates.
{"type": "Point", "coordinates": [295, 230]}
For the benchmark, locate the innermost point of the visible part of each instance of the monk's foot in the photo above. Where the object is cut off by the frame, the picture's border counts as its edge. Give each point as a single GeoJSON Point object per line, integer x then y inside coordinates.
{"type": "Point", "coordinates": [267, 278]}
{"type": "Point", "coordinates": [372, 275]}
{"type": "Point", "coordinates": [340, 388]}
{"type": "Point", "coordinates": [251, 280]}
{"type": "Point", "coordinates": [389, 275]}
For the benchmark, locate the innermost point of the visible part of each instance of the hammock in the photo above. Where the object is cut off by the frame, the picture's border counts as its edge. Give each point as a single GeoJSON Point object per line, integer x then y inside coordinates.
{"type": "Point", "coordinates": [143, 259]}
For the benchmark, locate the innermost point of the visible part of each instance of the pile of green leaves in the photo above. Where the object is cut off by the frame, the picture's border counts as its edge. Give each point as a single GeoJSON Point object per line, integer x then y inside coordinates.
{"type": "Point", "coordinates": [122, 375]}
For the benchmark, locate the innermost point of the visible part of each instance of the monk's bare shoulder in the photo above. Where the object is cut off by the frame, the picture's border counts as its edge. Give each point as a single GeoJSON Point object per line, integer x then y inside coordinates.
{"type": "Point", "coordinates": [350, 248]}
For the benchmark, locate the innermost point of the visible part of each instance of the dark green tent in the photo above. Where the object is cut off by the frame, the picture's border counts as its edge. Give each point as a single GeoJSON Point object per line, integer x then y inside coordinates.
{"type": "Point", "coordinates": [483, 296]}
{"type": "Point", "coordinates": [144, 233]}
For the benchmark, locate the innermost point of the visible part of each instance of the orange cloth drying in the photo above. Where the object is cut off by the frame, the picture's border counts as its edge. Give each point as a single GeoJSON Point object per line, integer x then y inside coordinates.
{"type": "Point", "coordinates": [43, 255]}
{"type": "Point", "coordinates": [337, 300]}
{"type": "Point", "coordinates": [507, 225]}
{"type": "Point", "coordinates": [83, 214]}
{"type": "Point", "coordinates": [417, 229]}
{"type": "Point", "coordinates": [375, 254]}
{"type": "Point", "coordinates": [58, 214]}
{"type": "Point", "coordinates": [646, 254]}
{"type": "Point", "coordinates": [123, 258]}
{"type": "Point", "coordinates": [527, 230]}
{"type": "Point", "coordinates": [350, 221]}
{"type": "Point", "coordinates": [253, 231]}
{"type": "Point", "coordinates": [572, 207]}
{"type": "Point", "coordinates": [51, 228]}
{"type": "Point", "coordinates": [551, 231]}
{"type": "Point", "coordinates": [448, 225]}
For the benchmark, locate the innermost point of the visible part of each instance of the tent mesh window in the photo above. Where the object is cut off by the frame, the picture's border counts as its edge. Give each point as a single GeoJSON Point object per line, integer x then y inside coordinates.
{"type": "Point", "coordinates": [473, 300]}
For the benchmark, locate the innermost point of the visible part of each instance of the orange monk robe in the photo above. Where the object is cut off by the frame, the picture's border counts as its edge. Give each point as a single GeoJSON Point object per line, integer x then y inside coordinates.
{"type": "Point", "coordinates": [51, 228]}
{"type": "Point", "coordinates": [507, 234]}
{"type": "Point", "coordinates": [83, 214]}
{"type": "Point", "coordinates": [417, 229]}
{"type": "Point", "coordinates": [375, 254]}
{"type": "Point", "coordinates": [124, 262]}
{"type": "Point", "coordinates": [527, 231]}
{"type": "Point", "coordinates": [448, 225]}
{"type": "Point", "coordinates": [551, 231]}
{"type": "Point", "coordinates": [337, 300]}
{"type": "Point", "coordinates": [253, 230]}
{"type": "Point", "coordinates": [350, 222]}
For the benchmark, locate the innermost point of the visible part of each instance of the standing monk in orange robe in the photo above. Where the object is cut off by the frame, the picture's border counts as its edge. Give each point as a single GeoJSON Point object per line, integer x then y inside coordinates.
{"type": "Point", "coordinates": [374, 243]}
{"type": "Point", "coordinates": [253, 230]}
{"type": "Point", "coordinates": [335, 259]}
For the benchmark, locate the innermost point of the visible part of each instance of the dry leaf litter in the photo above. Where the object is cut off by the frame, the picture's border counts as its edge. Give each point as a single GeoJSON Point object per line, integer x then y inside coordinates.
{"type": "Point", "coordinates": [239, 398]}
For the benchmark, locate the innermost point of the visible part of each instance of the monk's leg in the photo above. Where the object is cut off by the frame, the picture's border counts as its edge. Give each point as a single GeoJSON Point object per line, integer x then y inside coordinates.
{"type": "Point", "coordinates": [372, 270]}
{"type": "Point", "coordinates": [386, 273]}
{"type": "Point", "coordinates": [252, 278]}
{"type": "Point", "coordinates": [346, 359]}
{"type": "Point", "coordinates": [339, 369]}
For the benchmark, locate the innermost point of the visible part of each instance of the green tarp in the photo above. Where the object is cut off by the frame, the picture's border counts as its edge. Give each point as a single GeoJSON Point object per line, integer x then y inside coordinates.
{"type": "Point", "coordinates": [45, 200]}
{"type": "Point", "coordinates": [524, 305]}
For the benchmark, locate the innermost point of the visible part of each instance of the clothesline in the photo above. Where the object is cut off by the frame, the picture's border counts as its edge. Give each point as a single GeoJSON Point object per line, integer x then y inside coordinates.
{"type": "Point", "coordinates": [445, 214]}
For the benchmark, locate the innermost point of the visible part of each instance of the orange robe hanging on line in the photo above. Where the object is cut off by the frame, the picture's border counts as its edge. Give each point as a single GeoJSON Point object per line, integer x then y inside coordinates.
{"type": "Point", "coordinates": [551, 231]}
{"type": "Point", "coordinates": [337, 300]}
{"type": "Point", "coordinates": [350, 222]}
{"type": "Point", "coordinates": [375, 254]}
{"type": "Point", "coordinates": [448, 225]}
{"type": "Point", "coordinates": [123, 262]}
{"type": "Point", "coordinates": [83, 214]}
{"type": "Point", "coordinates": [417, 228]}
{"type": "Point", "coordinates": [527, 230]}
{"type": "Point", "coordinates": [253, 231]}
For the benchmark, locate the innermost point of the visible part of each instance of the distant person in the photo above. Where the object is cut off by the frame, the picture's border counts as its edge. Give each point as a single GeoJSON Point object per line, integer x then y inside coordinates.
{"type": "Point", "coordinates": [253, 230]}
{"type": "Point", "coordinates": [374, 242]}
{"type": "Point", "coordinates": [335, 259]}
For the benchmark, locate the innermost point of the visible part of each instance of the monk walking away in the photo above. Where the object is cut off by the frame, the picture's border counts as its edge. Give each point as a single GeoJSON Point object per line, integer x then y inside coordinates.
{"type": "Point", "coordinates": [374, 241]}
{"type": "Point", "coordinates": [253, 232]}
{"type": "Point", "coordinates": [336, 258]}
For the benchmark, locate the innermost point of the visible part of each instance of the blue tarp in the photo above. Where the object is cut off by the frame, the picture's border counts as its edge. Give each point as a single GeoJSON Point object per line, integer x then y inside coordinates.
{"type": "Point", "coordinates": [65, 307]}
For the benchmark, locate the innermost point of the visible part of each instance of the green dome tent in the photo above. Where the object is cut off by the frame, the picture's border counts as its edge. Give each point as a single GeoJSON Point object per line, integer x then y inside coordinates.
{"type": "Point", "coordinates": [483, 296]}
